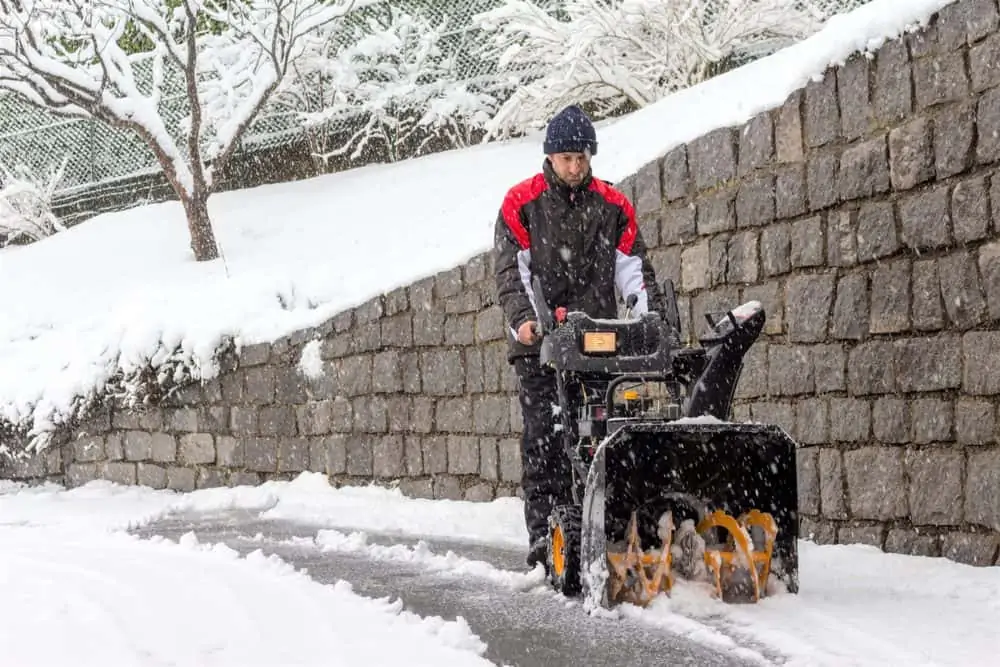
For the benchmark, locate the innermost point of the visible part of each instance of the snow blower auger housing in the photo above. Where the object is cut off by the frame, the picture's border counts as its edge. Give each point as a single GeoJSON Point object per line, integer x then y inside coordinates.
{"type": "Point", "coordinates": [664, 485]}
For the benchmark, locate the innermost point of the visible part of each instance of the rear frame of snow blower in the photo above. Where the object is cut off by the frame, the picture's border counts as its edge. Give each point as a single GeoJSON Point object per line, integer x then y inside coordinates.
{"type": "Point", "coordinates": [663, 484]}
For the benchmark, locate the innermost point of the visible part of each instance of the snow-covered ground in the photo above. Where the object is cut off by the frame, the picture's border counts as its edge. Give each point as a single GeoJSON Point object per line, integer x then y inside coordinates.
{"type": "Point", "coordinates": [79, 590]}
{"type": "Point", "coordinates": [122, 289]}
{"type": "Point", "coordinates": [68, 570]}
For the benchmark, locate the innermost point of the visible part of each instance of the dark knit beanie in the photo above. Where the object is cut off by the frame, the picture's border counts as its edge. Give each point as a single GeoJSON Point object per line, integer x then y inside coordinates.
{"type": "Point", "coordinates": [570, 131]}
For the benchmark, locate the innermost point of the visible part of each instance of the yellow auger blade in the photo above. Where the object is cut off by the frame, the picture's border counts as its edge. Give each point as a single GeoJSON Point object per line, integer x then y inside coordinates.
{"type": "Point", "coordinates": [637, 576]}
{"type": "Point", "coordinates": [740, 571]}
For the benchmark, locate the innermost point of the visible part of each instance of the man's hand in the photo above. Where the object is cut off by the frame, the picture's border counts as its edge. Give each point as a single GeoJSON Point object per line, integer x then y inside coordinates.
{"type": "Point", "coordinates": [526, 333]}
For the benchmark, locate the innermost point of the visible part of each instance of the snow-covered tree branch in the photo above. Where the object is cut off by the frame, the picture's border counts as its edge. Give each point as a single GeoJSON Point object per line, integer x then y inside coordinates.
{"type": "Point", "coordinates": [391, 83]}
{"type": "Point", "coordinates": [619, 55]}
{"type": "Point", "coordinates": [112, 59]}
{"type": "Point", "coordinates": [26, 203]}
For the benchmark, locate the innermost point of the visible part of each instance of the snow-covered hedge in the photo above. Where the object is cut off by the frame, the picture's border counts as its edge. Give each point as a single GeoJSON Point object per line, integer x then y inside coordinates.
{"type": "Point", "coordinates": [398, 85]}
{"type": "Point", "coordinates": [397, 77]}
{"type": "Point", "coordinates": [622, 55]}
{"type": "Point", "coordinates": [393, 89]}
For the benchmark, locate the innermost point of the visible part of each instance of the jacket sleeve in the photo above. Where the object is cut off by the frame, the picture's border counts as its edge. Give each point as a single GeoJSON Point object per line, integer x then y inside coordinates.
{"type": "Point", "coordinates": [634, 272]}
{"type": "Point", "coordinates": [512, 261]}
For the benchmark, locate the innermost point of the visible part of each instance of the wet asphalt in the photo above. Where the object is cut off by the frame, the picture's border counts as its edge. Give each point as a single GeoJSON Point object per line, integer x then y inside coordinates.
{"type": "Point", "coordinates": [520, 628]}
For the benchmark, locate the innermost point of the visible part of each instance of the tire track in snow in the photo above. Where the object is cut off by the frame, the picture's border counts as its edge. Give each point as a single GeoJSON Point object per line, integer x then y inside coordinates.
{"type": "Point", "coordinates": [524, 623]}
{"type": "Point", "coordinates": [453, 565]}
{"type": "Point", "coordinates": [796, 631]}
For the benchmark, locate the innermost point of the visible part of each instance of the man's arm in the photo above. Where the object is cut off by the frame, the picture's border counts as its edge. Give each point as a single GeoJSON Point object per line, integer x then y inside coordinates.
{"type": "Point", "coordinates": [512, 259]}
{"type": "Point", "coordinates": [634, 273]}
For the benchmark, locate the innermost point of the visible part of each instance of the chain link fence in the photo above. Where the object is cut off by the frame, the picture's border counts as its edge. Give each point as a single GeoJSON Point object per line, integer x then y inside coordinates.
{"type": "Point", "coordinates": [100, 156]}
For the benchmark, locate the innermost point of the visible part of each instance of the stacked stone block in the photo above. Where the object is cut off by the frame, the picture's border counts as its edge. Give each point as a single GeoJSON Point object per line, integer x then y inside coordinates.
{"type": "Point", "coordinates": [415, 390]}
{"type": "Point", "coordinates": [864, 213]}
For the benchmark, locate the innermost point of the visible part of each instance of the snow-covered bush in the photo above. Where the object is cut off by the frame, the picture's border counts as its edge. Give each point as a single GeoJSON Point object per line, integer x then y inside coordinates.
{"type": "Point", "coordinates": [615, 56]}
{"type": "Point", "coordinates": [26, 203]}
{"type": "Point", "coordinates": [391, 84]}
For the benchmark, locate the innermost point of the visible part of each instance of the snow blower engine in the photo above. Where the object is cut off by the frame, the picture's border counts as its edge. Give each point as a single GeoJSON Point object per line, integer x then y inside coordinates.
{"type": "Point", "coordinates": [664, 485]}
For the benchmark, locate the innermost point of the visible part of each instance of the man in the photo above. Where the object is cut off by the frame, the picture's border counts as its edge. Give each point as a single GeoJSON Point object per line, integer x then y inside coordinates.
{"type": "Point", "coordinates": [578, 236]}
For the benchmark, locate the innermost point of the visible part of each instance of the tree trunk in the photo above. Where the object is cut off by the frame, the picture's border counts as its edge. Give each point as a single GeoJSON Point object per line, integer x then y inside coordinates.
{"type": "Point", "coordinates": [195, 203]}
{"type": "Point", "coordinates": [200, 226]}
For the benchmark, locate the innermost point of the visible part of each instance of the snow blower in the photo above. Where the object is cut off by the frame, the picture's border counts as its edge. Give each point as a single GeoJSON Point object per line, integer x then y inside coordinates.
{"type": "Point", "coordinates": [664, 485]}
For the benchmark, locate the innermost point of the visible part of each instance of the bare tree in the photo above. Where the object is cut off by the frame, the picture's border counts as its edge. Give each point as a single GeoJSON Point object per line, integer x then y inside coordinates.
{"type": "Point", "coordinates": [90, 58]}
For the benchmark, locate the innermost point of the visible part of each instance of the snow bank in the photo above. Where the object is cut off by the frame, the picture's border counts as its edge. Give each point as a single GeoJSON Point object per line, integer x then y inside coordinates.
{"type": "Point", "coordinates": [103, 506]}
{"type": "Point", "coordinates": [121, 292]}
{"type": "Point", "coordinates": [113, 599]}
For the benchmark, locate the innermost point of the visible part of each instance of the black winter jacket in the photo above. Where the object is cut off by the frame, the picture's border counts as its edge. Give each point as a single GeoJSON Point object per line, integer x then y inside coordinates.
{"type": "Point", "coordinates": [581, 242]}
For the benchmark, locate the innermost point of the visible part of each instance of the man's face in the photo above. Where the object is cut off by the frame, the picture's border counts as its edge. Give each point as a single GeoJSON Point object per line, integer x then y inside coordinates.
{"type": "Point", "coordinates": [570, 167]}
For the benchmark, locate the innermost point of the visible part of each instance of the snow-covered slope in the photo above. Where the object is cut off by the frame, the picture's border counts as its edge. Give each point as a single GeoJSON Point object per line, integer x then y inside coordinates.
{"type": "Point", "coordinates": [122, 289]}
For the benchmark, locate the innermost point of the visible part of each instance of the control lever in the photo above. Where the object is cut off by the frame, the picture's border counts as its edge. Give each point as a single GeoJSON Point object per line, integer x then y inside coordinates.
{"type": "Point", "coordinates": [547, 318]}
{"type": "Point", "coordinates": [671, 313]}
{"type": "Point", "coordinates": [630, 304]}
{"type": "Point", "coordinates": [560, 317]}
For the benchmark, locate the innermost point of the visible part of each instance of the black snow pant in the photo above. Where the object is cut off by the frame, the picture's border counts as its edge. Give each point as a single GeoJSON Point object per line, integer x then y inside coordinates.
{"type": "Point", "coordinates": [546, 470]}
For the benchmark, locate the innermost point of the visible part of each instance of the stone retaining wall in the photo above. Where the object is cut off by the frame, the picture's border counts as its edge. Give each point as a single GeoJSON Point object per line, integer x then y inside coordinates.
{"type": "Point", "coordinates": [415, 387]}
{"type": "Point", "coordinates": [864, 213]}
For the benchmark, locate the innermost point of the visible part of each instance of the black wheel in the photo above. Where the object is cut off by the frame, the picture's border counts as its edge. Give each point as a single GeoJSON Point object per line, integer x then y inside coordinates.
{"type": "Point", "coordinates": [564, 549]}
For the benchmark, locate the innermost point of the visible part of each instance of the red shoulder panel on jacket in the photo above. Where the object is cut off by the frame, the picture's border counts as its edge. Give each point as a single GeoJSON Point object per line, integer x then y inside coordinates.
{"type": "Point", "coordinates": [618, 198]}
{"type": "Point", "coordinates": [524, 192]}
